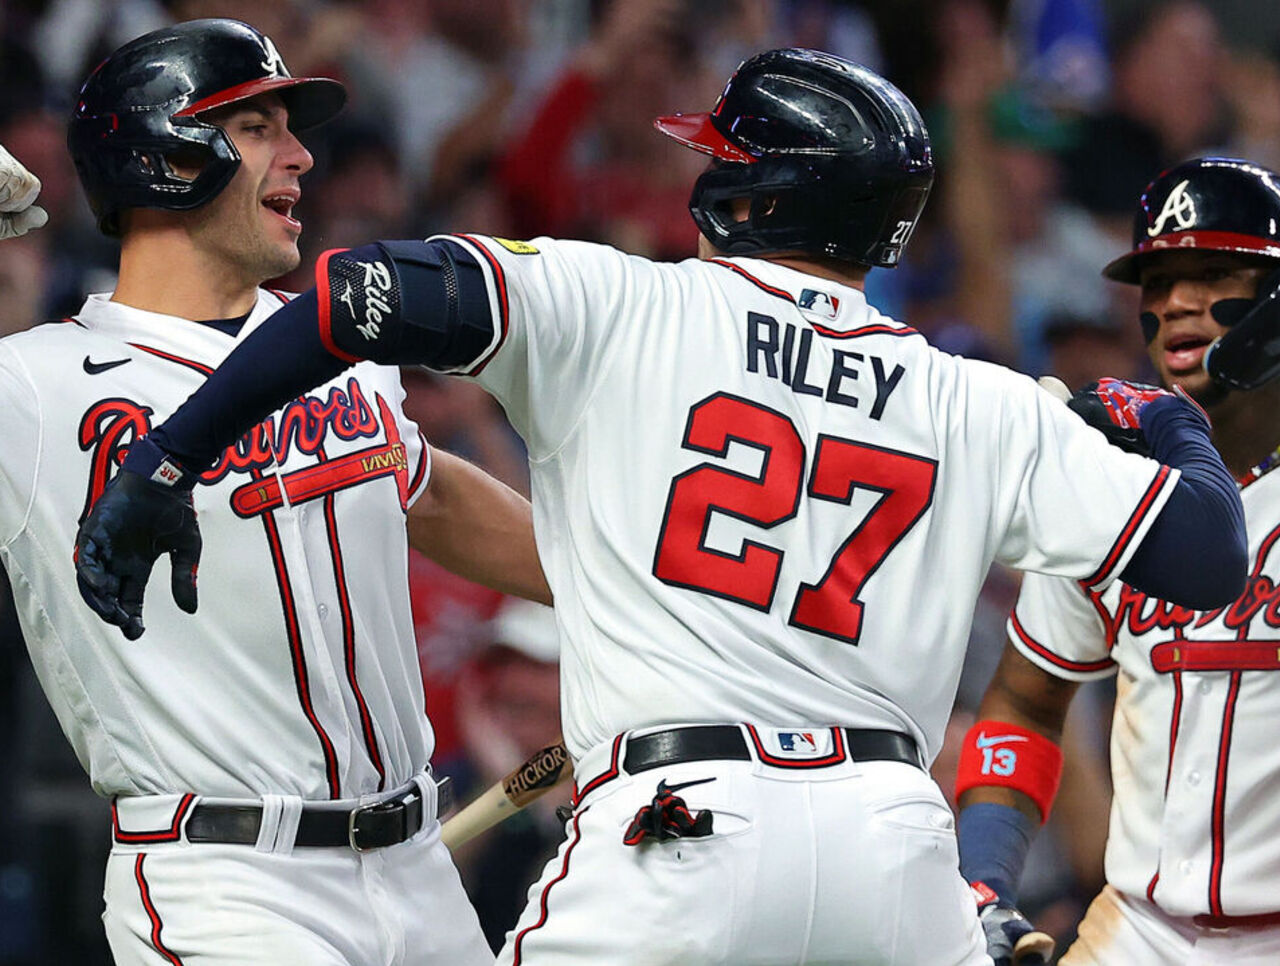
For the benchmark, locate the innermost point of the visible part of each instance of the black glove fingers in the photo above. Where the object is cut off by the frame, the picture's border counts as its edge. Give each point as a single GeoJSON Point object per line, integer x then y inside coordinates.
{"type": "Point", "coordinates": [103, 604]}
{"type": "Point", "coordinates": [184, 562]}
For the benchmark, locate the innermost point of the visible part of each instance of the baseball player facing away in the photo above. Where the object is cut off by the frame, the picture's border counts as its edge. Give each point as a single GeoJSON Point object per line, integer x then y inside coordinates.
{"type": "Point", "coordinates": [268, 762]}
{"type": "Point", "coordinates": [750, 488]}
{"type": "Point", "coordinates": [1193, 854]}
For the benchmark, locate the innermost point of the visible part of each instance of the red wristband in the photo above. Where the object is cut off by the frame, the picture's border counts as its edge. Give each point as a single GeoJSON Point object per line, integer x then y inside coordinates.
{"type": "Point", "coordinates": [1003, 754]}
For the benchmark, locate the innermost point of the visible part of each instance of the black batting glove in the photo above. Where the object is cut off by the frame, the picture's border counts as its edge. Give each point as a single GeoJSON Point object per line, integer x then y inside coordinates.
{"type": "Point", "coordinates": [144, 512]}
{"type": "Point", "coordinates": [1011, 939]}
{"type": "Point", "coordinates": [1115, 407]}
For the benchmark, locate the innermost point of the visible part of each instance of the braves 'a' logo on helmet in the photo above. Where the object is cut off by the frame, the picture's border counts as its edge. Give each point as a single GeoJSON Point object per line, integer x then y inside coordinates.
{"type": "Point", "coordinates": [1179, 206]}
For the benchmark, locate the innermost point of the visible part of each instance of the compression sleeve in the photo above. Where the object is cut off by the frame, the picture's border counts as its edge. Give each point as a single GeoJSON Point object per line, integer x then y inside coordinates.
{"type": "Point", "coordinates": [393, 302]}
{"type": "Point", "coordinates": [281, 359]}
{"type": "Point", "coordinates": [1195, 551]}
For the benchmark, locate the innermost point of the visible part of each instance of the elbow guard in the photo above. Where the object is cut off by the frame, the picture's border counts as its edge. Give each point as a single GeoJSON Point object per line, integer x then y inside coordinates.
{"type": "Point", "coordinates": [404, 303]}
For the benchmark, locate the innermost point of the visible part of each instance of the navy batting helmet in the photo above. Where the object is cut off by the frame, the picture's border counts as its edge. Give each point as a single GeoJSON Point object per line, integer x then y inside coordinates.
{"type": "Point", "coordinates": [1211, 204]}
{"type": "Point", "coordinates": [834, 159]}
{"type": "Point", "coordinates": [145, 100]}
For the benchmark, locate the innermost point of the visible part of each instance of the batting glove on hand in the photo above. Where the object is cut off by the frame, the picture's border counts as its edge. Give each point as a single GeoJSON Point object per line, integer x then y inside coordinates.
{"type": "Point", "coordinates": [1011, 939]}
{"type": "Point", "coordinates": [1114, 408]}
{"type": "Point", "coordinates": [138, 517]}
{"type": "Point", "coordinates": [18, 190]}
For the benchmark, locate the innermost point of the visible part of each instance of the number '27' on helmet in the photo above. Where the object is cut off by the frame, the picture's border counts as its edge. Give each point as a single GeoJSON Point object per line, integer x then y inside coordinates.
{"type": "Point", "coordinates": [834, 160]}
{"type": "Point", "coordinates": [143, 104]}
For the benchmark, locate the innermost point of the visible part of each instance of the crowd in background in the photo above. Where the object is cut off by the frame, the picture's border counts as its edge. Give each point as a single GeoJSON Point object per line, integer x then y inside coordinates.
{"type": "Point", "coordinates": [527, 117]}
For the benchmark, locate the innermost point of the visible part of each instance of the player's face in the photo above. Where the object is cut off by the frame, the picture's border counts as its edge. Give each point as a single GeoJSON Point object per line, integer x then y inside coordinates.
{"type": "Point", "coordinates": [1179, 288]}
{"type": "Point", "coordinates": [249, 226]}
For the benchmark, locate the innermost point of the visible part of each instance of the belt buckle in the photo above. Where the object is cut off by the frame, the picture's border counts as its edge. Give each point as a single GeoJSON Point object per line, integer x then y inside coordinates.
{"type": "Point", "coordinates": [351, 827]}
{"type": "Point", "coordinates": [354, 816]}
{"type": "Point", "coordinates": [399, 804]}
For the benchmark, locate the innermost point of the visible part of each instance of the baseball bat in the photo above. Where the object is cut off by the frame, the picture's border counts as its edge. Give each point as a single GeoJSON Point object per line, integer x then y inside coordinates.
{"type": "Point", "coordinates": [533, 778]}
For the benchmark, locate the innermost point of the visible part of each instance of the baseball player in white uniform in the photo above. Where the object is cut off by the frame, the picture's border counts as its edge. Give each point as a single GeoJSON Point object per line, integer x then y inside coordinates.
{"type": "Point", "coordinates": [267, 763]}
{"type": "Point", "coordinates": [748, 487]}
{"type": "Point", "coordinates": [1193, 854]}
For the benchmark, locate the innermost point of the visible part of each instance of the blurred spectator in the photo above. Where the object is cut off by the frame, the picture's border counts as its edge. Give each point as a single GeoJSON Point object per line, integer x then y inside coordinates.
{"type": "Point", "coordinates": [1083, 348]}
{"type": "Point", "coordinates": [73, 35]}
{"type": "Point", "coordinates": [508, 706]}
{"type": "Point", "coordinates": [24, 278]}
{"type": "Point", "coordinates": [1167, 103]}
{"type": "Point", "coordinates": [588, 164]}
{"type": "Point", "coordinates": [1253, 88]}
{"type": "Point", "coordinates": [446, 73]}
{"type": "Point", "coordinates": [1061, 53]}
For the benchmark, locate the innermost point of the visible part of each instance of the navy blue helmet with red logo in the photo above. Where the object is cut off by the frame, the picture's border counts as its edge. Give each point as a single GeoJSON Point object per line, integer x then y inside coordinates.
{"type": "Point", "coordinates": [1218, 205]}
{"type": "Point", "coordinates": [1209, 204]}
{"type": "Point", "coordinates": [833, 159]}
{"type": "Point", "coordinates": [142, 106]}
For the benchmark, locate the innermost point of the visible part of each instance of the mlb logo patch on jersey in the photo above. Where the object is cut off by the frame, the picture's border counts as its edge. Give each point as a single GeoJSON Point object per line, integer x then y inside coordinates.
{"type": "Point", "coordinates": [516, 247]}
{"type": "Point", "coordinates": [800, 744]}
{"type": "Point", "coordinates": [818, 305]}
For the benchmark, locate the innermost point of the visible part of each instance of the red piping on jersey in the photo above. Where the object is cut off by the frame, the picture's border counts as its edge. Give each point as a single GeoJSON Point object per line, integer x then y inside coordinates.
{"type": "Point", "coordinates": [1082, 667]}
{"type": "Point", "coordinates": [156, 925]}
{"type": "Point", "coordinates": [836, 756]}
{"type": "Point", "coordinates": [877, 328]}
{"type": "Point", "coordinates": [349, 636]}
{"type": "Point", "coordinates": [1135, 519]}
{"type": "Point", "coordinates": [504, 309]}
{"type": "Point", "coordinates": [312, 482]}
{"type": "Point", "coordinates": [1218, 820]}
{"type": "Point", "coordinates": [170, 834]}
{"type": "Point", "coordinates": [400, 464]}
{"type": "Point", "coordinates": [542, 901]}
{"type": "Point", "coordinates": [295, 648]}
{"type": "Point", "coordinates": [763, 286]}
{"type": "Point", "coordinates": [607, 775]}
{"type": "Point", "coordinates": [1236, 655]}
{"type": "Point", "coordinates": [284, 297]}
{"type": "Point", "coordinates": [199, 367]}
{"type": "Point", "coordinates": [322, 303]}
{"type": "Point", "coordinates": [421, 471]}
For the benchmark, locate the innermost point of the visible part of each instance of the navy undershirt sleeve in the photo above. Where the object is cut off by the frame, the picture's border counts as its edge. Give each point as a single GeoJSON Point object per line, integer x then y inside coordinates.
{"type": "Point", "coordinates": [1195, 552]}
{"type": "Point", "coordinates": [281, 359]}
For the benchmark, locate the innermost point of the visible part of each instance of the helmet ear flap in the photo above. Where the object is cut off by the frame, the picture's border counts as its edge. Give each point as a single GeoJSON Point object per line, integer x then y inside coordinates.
{"type": "Point", "coordinates": [1247, 355]}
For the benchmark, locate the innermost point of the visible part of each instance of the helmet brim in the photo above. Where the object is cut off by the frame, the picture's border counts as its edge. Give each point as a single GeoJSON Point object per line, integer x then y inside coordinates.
{"type": "Point", "coordinates": [696, 131]}
{"type": "Point", "coordinates": [1127, 266]}
{"type": "Point", "coordinates": [311, 100]}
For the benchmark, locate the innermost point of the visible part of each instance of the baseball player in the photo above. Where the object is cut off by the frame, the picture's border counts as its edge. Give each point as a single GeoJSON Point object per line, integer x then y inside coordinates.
{"type": "Point", "coordinates": [268, 763]}
{"type": "Point", "coordinates": [1193, 855]}
{"type": "Point", "coordinates": [747, 499]}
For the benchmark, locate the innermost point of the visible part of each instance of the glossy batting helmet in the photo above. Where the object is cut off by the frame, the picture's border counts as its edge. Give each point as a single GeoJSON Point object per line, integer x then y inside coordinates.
{"type": "Point", "coordinates": [143, 104]}
{"type": "Point", "coordinates": [834, 159]}
{"type": "Point", "coordinates": [1211, 204]}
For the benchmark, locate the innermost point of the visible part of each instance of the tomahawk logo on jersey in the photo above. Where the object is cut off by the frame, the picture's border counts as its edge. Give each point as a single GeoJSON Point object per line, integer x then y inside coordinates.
{"type": "Point", "coordinates": [1204, 694]}
{"type": "Point", "coordinates": [284, 563]}
{"type": "Point", "coordinates": [109, 425]}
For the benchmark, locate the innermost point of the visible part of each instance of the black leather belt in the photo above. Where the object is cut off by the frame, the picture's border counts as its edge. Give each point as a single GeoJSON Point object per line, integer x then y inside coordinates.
{"type": "Point", "coordinates": [367, 827]}
{"type": "Point", "coordinates": [726, 743]}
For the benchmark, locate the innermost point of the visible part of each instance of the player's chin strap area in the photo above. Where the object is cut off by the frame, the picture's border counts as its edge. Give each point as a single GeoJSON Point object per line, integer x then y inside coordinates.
{"type": "Point", "coordinates": [1247, 355]}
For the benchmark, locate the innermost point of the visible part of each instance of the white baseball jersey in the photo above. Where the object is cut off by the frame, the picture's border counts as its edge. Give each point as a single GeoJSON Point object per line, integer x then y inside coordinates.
{"type": "Point", "coordinates": [758, 499]}
{"type": "Point", "coordinates": [1194, 754]}
{"type": "Point", "coordinates": [298, 675]}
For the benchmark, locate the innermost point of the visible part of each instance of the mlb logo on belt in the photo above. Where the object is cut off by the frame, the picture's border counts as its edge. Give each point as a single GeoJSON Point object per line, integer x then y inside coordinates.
{"type": "Point", "coordinates": [799, 745]}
